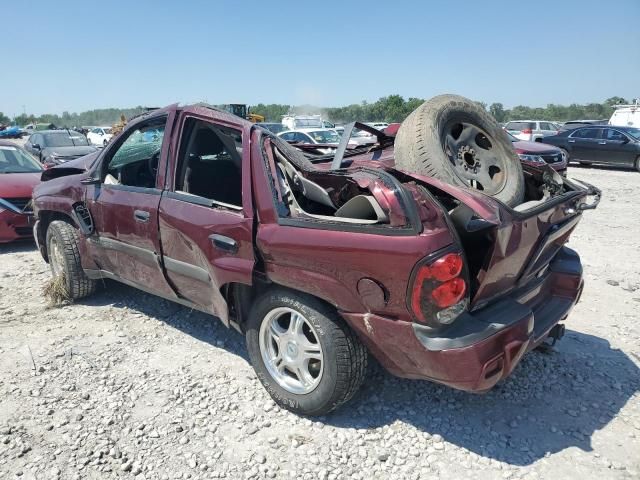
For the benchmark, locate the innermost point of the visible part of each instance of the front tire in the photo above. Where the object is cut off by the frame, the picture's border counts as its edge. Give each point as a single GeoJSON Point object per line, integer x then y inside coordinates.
{"type": "Point", "coordinates": [304, 354]}
{"type": "Point", "coordinates": [637, 165]}
{"type": "Point", "coordinates": [64, 259]}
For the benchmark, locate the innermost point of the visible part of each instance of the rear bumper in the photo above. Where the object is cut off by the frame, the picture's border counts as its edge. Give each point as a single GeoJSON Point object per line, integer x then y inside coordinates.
{"type": "Point", "coordinates": [14, 226]}
{"type": "Point", "coordinates": [482, 347]}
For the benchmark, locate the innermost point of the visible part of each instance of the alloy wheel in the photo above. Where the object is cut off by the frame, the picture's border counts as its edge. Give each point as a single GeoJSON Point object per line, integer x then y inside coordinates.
{"type": "Point", "coordinates": [291, 350]}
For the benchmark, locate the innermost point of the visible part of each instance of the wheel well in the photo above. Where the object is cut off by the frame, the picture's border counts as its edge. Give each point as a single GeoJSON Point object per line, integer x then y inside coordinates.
{"type": "Point", "coordinates": [539, 140]}
{"type": "Point", "coordinates": [45, 218]}
{"type": "Point", "coordinates": [240, 298]}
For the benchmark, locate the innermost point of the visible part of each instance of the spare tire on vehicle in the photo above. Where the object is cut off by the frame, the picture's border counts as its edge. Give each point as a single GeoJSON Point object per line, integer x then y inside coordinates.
{"type": "Point", "coordinates": [455, 140]}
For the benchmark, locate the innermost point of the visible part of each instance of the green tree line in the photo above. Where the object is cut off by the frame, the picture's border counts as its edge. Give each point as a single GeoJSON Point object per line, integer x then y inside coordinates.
{"type": "Point", "coordinates": [393, 108]}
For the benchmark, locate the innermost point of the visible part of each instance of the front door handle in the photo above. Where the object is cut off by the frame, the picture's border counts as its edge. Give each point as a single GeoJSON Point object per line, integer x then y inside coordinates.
{"type": "Point", "coordinates": [602, 143]}
{"type": "Point", "coordinates": [571, 141]}
{"type": "Point", "coordinates": [141, 216]}
{"type": "Point", "coordinates": [224, 243]}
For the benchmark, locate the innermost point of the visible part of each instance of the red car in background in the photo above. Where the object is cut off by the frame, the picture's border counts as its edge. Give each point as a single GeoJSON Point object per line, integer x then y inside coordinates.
{"type": "Point", "coordinates": [19, 174]}
{"type": "Point", "coordinates": [537, 154]}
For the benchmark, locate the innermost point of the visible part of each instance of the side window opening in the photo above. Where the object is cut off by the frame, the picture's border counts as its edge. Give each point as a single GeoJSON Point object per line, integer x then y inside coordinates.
{"type": "Point", "coordinates": [135, 161]}
{"type": "Point", "coordinates": [210, 162]}
{"type": "Point", "coordinates": [323, 196]}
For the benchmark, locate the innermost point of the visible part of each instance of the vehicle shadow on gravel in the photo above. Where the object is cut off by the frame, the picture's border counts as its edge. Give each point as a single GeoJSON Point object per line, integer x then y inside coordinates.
{"type": "Point", "coordinates": [202, 327]}
{"type": "Point", "coordinates": [552, 401]}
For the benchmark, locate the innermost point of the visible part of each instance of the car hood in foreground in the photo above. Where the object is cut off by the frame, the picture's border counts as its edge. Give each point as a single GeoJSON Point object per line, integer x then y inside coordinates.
{"type": "Point", "coordinates": [18, 185]}
{"type": "Point", "coordinates": [68, 151]}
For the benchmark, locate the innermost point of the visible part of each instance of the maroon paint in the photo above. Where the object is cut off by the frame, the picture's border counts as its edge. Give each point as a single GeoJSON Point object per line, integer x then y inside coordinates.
{"type": "Point", "coordinates": [365, 275]}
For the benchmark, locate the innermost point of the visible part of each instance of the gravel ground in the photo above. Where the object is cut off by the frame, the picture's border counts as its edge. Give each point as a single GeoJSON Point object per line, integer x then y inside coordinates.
{"type": "Point", "coordinates": [127, 385]}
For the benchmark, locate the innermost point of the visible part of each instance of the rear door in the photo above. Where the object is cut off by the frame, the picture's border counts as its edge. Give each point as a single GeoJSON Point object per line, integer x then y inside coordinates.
{"type": "Point", "coordinates": [124, 207]}
{"type": "Point", "coordinates": [584, 144]}
{"type": "Point", "coordinates": [206, 213]}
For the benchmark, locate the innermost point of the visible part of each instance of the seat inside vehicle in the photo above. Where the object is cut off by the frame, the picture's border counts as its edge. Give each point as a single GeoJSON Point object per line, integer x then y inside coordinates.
{"type": "Point", "coordinates": [210, 164]}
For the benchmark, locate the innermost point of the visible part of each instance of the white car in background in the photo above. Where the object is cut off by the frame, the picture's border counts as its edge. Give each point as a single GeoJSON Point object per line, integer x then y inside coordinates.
{"type": "Point", "coordinates": [99, 136]}
{"type": "Point", "coordinates": [327, 136]}
{"type": "Point", "coordinates": [378, 125]}
{"type": "Point", "coordinates": [531, 130]}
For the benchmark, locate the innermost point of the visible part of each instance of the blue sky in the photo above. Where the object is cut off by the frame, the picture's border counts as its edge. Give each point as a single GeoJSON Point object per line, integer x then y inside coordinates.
{"type": "Point", "coordinates": [79, 55]}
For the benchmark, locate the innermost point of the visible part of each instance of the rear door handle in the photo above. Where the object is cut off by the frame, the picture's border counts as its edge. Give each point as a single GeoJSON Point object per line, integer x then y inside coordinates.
{"type": "Point", "coordinates": [224, 243]}
{"type": "Point", "coordinates": [141, 216]}
{"type": "Point", "coordinates": [602, 143]}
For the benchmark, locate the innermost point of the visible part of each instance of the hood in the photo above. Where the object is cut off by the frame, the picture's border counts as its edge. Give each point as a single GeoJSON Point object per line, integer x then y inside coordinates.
{"type": "Point", "coordinates": [68, 151]}
{"type": "Point", "coordinates": [534, 147]}
{"type": "Point", "coordinates": [72, 167]}
{"type": "Point", "coordinates": [18, 185]}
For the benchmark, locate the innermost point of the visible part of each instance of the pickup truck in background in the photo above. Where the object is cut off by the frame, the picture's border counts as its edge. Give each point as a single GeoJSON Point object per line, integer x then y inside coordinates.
{"type": "Point", "coordinates": [320, 260]}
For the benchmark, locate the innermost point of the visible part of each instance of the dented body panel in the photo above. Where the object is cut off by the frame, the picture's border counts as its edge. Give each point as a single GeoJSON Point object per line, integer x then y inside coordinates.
{"type": "Point", "coordinates": [289, 230]}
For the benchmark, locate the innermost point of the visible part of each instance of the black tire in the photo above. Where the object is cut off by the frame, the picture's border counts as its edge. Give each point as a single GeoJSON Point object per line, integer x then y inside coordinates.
{"type": "Point", "coordinates": [77, 283]}
{"type": "Point", "coordinates": [566, 155]}
{"type": "Point", "coordinates": [104, 143]}
{"type": "Point", "coordinates": [344, 357]}
{"type": "Point", "coordinates": [637, 165]}
{"type": "Point", "coordinates": [455, 140]}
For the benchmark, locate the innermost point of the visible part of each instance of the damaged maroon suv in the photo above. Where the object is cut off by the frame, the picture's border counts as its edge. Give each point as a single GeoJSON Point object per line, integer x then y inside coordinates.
{"type": "Point", "coordinates": [433, 250]}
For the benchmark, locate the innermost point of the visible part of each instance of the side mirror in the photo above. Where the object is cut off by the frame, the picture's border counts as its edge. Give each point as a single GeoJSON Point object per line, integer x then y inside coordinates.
{"type": "Point", "coordinates": [36, 146]}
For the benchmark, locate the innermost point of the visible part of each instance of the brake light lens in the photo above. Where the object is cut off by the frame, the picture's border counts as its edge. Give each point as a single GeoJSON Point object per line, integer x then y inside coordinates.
{"type": "Point", "coordinates": [439, 291]}
{"type": "Point", "coordinates": [449, 293]}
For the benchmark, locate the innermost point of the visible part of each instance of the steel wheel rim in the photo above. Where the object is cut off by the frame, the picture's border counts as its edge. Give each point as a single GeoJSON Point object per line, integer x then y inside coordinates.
{"type": "Point", "coordinates": [56, 257]}
{"type": "Point", "coordinates": [291, 350]}
{"type": "Point", "coordinates": [474, 156]}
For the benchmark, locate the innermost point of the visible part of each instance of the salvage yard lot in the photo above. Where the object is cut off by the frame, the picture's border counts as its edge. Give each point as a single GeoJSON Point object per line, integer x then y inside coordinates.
{"type": "Point", "coordinates": [126, 384]}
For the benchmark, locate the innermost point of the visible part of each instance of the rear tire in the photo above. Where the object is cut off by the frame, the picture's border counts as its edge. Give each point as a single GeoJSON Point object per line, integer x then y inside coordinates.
{"type": "Point", "coordinates": [455, 140]}
{"type": "Point", "coordinates": [638, 164]}
{"type": "Point", "coordinates": [64, 259]}
{"type": "Point", "coordinates": [340, 360]}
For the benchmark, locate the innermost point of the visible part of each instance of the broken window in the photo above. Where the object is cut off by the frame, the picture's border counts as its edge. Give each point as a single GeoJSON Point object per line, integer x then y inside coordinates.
{"type": "Point", "coordinates": [356, 197]}
{"type": "Point", "coordinates": [135, 161]}
{"type": "Point", "coordinates": [210, 162]}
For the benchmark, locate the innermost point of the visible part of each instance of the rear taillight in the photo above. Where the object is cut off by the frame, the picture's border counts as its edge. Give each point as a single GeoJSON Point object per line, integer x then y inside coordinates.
{"type": "Point", "coordinates": [439, 291]}
{"type": "Point", "coordinates": [528, 131]}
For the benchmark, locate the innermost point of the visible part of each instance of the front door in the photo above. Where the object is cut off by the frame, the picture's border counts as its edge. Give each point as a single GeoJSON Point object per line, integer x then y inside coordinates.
{"type": "Point", "coordinates": [124, 207]}
{"type": "Point", "coordinates": [617, 149]}
{"type": "Point", "coordinates": [206, 214]}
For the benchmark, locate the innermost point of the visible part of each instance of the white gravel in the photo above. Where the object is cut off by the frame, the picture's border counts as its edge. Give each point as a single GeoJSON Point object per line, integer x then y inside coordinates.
{"type": "Point", "coordinates": [127, 385]}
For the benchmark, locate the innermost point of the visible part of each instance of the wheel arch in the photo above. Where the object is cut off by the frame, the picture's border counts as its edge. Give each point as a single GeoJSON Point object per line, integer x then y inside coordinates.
{"type": "Point", "coordinates": [45, 217]}
{"type": "Point", "coordinates": [241, 297]}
